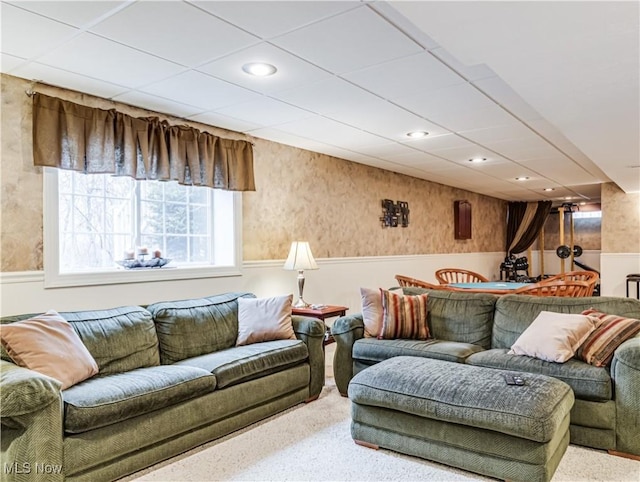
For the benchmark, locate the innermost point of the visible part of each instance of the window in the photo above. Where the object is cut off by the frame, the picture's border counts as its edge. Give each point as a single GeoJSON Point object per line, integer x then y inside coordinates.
{"type": "Point", "coordinates": [93, 221]}
{"type": "Point", "coordinates": [587, 214]}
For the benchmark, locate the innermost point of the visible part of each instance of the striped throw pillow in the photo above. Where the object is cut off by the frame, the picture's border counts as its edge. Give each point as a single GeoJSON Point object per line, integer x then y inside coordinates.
{"type": "Point", "coordinates": [612, 331]}
{"type": "Point", "coordinates": [403, 316]}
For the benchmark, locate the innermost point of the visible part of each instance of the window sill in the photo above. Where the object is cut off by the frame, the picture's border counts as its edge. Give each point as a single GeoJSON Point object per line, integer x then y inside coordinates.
{"type": "Point", "coordinates": [120, 276]}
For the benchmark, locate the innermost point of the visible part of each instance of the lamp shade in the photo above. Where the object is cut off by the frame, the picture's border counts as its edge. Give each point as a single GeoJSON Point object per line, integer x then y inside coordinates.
{"type": "Point", "coordinates": [300, 257]}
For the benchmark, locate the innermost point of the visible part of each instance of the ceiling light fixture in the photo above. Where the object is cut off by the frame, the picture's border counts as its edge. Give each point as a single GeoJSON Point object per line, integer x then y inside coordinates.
{"type": "Point", "coordinates": [417, 134]}
{"type": "Point", "coordinates": [522, 178]}
{"type": "Point", "coordinates": [259, 69]}
{"type": "Point", "coordinates": [478, 159]}
{"type": "Point", "coordinates": [548, 189]}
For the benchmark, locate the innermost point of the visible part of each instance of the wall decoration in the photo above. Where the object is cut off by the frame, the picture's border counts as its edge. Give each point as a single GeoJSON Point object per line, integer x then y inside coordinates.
{"type": "Point", "coordinates": [394, 214]}
{"type": "Point", "coordinates": [462, 219]}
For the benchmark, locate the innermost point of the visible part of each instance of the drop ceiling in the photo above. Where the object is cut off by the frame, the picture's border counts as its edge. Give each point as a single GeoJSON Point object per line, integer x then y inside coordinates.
{"type": "Point", "coordinates": [545, 90]}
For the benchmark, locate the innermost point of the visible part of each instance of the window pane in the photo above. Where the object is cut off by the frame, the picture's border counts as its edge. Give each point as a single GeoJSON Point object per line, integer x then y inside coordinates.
{"type": "Point", "coordinates": [88, 214]}
{"type": "Point", "coordinates": [175, 217]}
{"type": "Point", "coordinates": [200, 250]}
{"type": "Point", "coordinates": [120, 186]}
{"type": "Point", "coordinates": [118, 216]}
{"type": "Point", "coordinates": [82, 251]}
{"type": "Point", "coordinates": [151, 214]}
{"type": "Point", "coordinates": [174, 192]}
{"type": "Point", "coordinates": [198, 195]}
{"type": "Point", "coordinates": [177, 249]}
{"type": "Point", "coordinates": [90, 184]}
{"type": "Point", "coordinates": [151, 190]}
{"type": "Point", "coordinates": [198, 222]}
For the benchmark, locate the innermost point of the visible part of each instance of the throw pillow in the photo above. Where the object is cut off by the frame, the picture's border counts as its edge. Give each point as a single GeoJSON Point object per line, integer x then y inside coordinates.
{"type": "Point", "coordinates": [264, 319]}
{"type": "Point", "coordinates": [403, 316]}
{"type": "Point", "coordinates": [371, 311]}
{"type": "Point", "coordinates": [554, 337]}
{"type": "Point", "coordinates": [48, 344]}
{"type": "Point", "coordinates": [613, 330]}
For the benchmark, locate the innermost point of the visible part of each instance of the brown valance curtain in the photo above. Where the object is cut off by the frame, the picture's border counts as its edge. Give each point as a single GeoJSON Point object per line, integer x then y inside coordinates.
{"type": "Point", "coordinates": [524, 223]}
{"type": "Point", "coordinates": [91, 140]}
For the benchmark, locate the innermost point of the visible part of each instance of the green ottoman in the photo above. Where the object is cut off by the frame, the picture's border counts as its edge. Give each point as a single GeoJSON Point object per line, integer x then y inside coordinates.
{"type": "Point", "coordinates": [464, 416]}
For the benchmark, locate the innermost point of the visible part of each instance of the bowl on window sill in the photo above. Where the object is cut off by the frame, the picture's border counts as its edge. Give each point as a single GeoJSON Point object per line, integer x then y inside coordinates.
{"type": "Point", "coordinates": [137, 263]}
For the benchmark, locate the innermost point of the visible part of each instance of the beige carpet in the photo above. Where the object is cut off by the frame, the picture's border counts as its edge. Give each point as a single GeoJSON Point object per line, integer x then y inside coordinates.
{"type": "Point", "coordinates": [312, 442]}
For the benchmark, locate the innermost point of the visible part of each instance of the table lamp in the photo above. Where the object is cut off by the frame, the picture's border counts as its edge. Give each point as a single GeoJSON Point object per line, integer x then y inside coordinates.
{"type": "Point", "coordinates": [300, 258]}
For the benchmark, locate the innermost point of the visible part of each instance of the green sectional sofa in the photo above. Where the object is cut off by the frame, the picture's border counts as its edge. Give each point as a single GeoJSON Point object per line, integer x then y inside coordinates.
{"type": "Point", "coordinates": [478, 329]}
{"type": "Point", "coordinates": [170, 378]}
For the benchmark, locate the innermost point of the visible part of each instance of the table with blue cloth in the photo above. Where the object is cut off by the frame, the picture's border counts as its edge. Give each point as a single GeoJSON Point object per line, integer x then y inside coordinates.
{"type": "Point", "coordinates": [495, 287]}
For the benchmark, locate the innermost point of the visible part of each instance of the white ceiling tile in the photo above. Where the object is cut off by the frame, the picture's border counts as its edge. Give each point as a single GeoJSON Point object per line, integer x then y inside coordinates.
{"type": "Point", "coordinates": [436, 142]}
{"type": "Point", "coordinates": [406, 76]}
{"type": "Point", "coordinates": [76, 13]}
{"type": "Point", "coordinates": [455, 98]}
{"type": "Point", "coordinates": [326, 96]}
{"type": "Point", "coordinates": [174, 31]}
{"type": "Point", "coordinates": [458, 121]}
{"type": "Point", "coordinates": [422, 160]}
{"type": "Point", "coordinates": [503, 94]}
{"type": "Point", "coordinates": [276, 135]}
{"type": "Point", "coordinates": [388, 151]}
{"type": "Point", "coordinates": [194, 88]}
{"type": "Point", "coordinates": [514, 131]}
{"type": "Point", "coordinates": [68, 80]}
{"type": "Point", "coordinates": [473, 72]}
{"type": "Point", "coordinates": [265, 112]}
{"type": "Point", "coordinates": [462, 154]}
{"type": "Point", "coordinates": [523, 149]}
{"type": "Point", "coordinates": [331, 132]}
{"type": "Point", "coordinates": [350, 41]}
{"type": "Point", "coordinates": [9, 62]}
{"type": "Point", "coordinates": [292, 71]}
{"type": "Point", "coordinates": [562, 171]}
{"type": "Point", "coordinates": [157, 104]}
{"type": "Point", "coordinates": [27, 35]}
{"type": "Point", "coordinates": [103, 59]}
{"type": "Point", "coordinates": [268, 19]}
{"type": "Point", "coordinates": [385, 119]}
{"type": "Point", "coordinates": [223, 121]}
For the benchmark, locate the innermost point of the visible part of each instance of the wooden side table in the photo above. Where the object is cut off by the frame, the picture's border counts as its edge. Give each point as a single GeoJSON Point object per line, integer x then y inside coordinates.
{"type": "Point", "coordinates": [322, 313]}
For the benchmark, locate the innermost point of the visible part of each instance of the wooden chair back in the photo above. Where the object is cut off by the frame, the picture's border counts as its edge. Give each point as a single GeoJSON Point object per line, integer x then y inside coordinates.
{"type": "Point", "coordinates": [456, 275]}
{"type": "Point", "coordinates": [405, 281]}
{"type": "Point", "coordinates": [590, 277]}
{"type": "Point", "coordinates": [572, 289]}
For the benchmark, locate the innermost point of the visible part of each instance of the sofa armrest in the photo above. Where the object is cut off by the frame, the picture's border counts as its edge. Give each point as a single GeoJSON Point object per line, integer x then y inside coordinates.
{"type": "Point", "coordinates": [625, 372]}
{"type": "Point", "coordinates": [31, 417]}
{"type": "Point", "coordinates": [311, 331]}
{"type": "Point", "coordinates": [345, 330]}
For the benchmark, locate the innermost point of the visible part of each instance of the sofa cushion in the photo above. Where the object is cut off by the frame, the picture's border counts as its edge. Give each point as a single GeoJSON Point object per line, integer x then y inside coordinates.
{"type": "Point", "coordinates": [370, 350]}
{"type": "Point", "coordinates": [514, 313]}
{"type": "Point", "coordinates": [243, 363]}
{"type": "Point", "coordinates": [119, 339]}
{"type": "Point", "coordinates": [403, 316]}
{"type": "Point", "coordinates": [264, 319]}
{"type": "Point", "coordinates": [195, 327]}
{"type": "Point", "coordinates": [48, 344]}
{"type": "Point", "coordinates": [371, 303]}
{"type": "Point", "coordinates": [462, 317]}
{"type": "Point", "coordinates": [554, 337]}
{"type": "Point", "coordinates": [588, 382]}
{"type": "Point", "coordinates": [103, 401]}
{"type": "Point", "coordinates": [599, 348]}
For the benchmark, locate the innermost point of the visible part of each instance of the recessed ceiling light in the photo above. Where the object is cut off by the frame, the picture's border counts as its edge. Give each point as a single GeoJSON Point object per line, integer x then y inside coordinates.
{"type": "Point", "coordinates": [259, 69]}
{"type": "Point", "coordinates": [478, 159]}
{"type": "Point", "coordinates": [549, 189]}
{"type": "Point", "coordinates": [567, 198]}
{"type": "Point", "coordinates": [417, 134]}
{"type": "Point", "coordinates": [522, 178]}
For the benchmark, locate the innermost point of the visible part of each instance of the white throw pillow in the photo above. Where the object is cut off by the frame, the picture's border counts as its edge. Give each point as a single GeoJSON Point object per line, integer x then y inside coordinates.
{"type": "Point", "coordinates": [554, 337]}
{"type": "Point", "coordinates": [264, 319]}
{"type": "Point", "coordinates": [371, 311]}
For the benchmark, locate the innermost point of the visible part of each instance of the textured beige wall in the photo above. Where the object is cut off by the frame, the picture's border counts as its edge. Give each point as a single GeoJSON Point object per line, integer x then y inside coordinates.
{"type": "Point", "coordinates": [332, 203]}
{"type": "Point", "coordinates": [620, 220]}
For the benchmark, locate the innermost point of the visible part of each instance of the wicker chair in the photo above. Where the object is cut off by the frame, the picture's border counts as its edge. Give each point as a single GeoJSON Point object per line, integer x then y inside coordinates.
{"type": "Point", "coordinates": [455, 275]}
{"type": "Point", "coordinates": [573, 289]}
{"type": "Point", "coordinates": [405, 281]}
{"type": "Point", "coordinates": [590, 277]}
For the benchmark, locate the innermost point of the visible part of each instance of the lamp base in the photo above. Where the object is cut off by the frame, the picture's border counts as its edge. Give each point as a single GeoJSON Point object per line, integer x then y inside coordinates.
{"type": "Point", "coordinates": [301, 303]}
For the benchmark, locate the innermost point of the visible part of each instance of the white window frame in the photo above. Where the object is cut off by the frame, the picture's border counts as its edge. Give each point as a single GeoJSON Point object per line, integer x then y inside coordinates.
{"type": "Point", "coordinates": [53, 278]}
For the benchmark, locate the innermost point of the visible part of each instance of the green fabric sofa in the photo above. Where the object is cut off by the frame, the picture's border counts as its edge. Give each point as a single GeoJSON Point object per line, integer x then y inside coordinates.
{"type": "Point", "coordinates": [478, 329]}
{"type": "Point", "coordinates": [170, 378]}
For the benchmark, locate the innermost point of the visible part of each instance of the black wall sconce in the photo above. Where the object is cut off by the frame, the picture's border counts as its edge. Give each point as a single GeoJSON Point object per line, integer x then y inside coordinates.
{"type": "Point", "coordinates": [394, 214]}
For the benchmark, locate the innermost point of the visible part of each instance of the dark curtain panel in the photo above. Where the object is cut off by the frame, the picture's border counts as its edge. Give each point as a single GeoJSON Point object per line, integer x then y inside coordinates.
{"type": "Point", "coordinates": [532, 221]}
{"type": "Point", "coordinates": [72, 136]}
{"type": "Point", "coordinates": [515, 213]}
